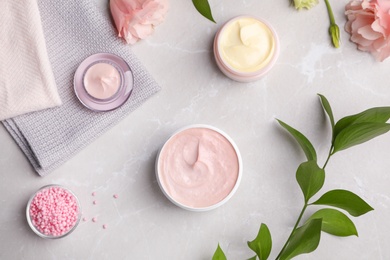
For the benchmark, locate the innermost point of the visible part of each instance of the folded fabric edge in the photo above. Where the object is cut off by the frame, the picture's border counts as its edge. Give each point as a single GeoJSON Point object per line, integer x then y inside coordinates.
{"type": "Point", "coordinates": [16, 134]}
{"type": "Point", "coordinates": [10, 115]}
{"type": "Point", "coordinates": [44, 171]}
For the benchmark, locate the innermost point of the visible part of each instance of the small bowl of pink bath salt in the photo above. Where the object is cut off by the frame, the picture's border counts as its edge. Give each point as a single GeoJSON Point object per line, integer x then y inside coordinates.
{"type": "Point", "coordinates": [53, 212]}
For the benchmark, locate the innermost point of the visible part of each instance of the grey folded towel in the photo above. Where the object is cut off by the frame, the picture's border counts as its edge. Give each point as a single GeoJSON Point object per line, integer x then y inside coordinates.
{"type": "Point", "coordinates": [74, 30]}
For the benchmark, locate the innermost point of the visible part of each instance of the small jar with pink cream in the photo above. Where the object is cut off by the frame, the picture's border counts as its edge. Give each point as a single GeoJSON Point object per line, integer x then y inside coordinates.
{"type": "Point", "coordinates": [103, 82]}
{"type": "Point", "coordinates": [199, 168]}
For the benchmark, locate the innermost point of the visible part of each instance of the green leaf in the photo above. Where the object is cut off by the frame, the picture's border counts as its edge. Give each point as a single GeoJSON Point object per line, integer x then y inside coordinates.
{"type": "Point", "coordinates": [372, 115]}
{"type": "Point", "coordinates": [304, 240]}
{"type": "Point", "coordinates": [203, 8]}
{"type": "Point", "coordinates": [253, 258]}
{"type": "Point", "coordinates": [310, 178]}
{"type": "Point", "coordinates": [262, 244]}
{"type": "Point", "coordinates": [327, 109]}
{"type": "Point", "coordinates": [346, 200]}
{"type": "Point", "coordinates": [305, 144]}
{"type": "Point", "coordinates": [219, 254]}
{"type": "Point", "coordinates": [358, 133]}
{"type": "Point", "coordinates": [335, 222]}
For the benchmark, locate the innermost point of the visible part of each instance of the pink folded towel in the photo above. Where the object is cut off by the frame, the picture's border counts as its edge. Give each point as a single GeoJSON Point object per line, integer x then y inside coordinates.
{"type": "Point", "coordinates": [26, 79]}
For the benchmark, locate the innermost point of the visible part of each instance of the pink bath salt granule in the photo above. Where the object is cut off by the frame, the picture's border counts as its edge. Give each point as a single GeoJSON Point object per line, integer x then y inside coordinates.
{"type": "Point", "coordinates": [93, 193]}
{"type": "Point", "coordinates": [54, 211]}
{"type": "Point", "coordinates": [94, 219]}
{"type": "Point", "coordinates": [115, 196]}
{"type": "Point", "coordinates": [84, 219]}
{"type": "Point", "coordinates": [104, 226]}
{"type": "Point", "coordinates": [94, 202]}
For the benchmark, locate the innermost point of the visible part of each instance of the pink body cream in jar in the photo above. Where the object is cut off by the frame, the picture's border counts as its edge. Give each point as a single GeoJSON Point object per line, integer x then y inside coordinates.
{"type": "Point", "coordinates": [199, 168]}
{"type": "Point", "coordinates": [246, 48]}
{"type": "Point", "coordinates": [103, 82]}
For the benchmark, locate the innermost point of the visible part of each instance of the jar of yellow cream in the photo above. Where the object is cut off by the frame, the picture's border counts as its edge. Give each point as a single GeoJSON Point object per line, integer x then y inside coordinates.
{"type": "Point", "coordinates": [246, 48]}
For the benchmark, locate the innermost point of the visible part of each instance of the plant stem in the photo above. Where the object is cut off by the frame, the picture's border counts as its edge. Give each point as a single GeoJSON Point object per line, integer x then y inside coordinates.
{"type": "Point", "coordinates": [334, 30]}
{"type": "Point", "coordinates": [303, 209]}
{"type": "Point", "coordinates": [330, 12]}
{"type": "Point", "coordinates": [327, 159]}
{"type": "Point", "coordinates": [293, 230]}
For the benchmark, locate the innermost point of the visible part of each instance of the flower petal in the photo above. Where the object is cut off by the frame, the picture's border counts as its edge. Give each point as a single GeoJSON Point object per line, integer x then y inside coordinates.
{"type": "Point", "coordinates": [143, 30]}
{"type": "Point", "coordinates": [358, 39]}
{"type": "Point", "coordinates": [135, 19]}
{"type": "Point", "coordinates": [368, 33]}
{"type": "Point", "coordinates": [368, 22]}
{"type": "Point", "coordinates": [383, 54]}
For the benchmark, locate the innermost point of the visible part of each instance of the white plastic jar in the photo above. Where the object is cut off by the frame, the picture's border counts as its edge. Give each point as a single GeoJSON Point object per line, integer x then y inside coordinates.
{"type": "Point", "coordinates": [199, 168]}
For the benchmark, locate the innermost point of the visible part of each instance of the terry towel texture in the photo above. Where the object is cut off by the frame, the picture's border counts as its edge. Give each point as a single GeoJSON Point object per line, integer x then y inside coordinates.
{"type": "Point", "coordinates": [74, 30]}
{"type": "Point", "coordinates": [26, 78]}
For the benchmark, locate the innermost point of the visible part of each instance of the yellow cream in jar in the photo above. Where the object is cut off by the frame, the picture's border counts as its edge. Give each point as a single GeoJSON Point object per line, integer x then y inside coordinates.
{"type": "Point", "coordinates": [247, 44]}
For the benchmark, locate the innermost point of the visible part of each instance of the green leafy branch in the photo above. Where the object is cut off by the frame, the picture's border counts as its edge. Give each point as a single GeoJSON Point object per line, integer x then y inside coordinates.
{"type": "Point", "coordinates": [305, 238]}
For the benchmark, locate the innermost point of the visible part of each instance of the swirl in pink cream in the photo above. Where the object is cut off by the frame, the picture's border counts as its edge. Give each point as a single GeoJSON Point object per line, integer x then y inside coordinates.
{"type": "Point", "coordinates": [198, 167]}
{"type": "Point", "coordinates": [102, 80]}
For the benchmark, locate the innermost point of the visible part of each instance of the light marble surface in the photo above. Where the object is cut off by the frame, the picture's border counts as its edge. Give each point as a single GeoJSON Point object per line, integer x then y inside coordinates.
{"type": "Point", "coordinates": [142, 223]}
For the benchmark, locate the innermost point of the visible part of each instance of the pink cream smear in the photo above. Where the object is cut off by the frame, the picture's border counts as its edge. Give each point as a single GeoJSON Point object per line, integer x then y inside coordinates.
{"type": "Point", "coordinates": [102, 81]}
{"type": "Point", "coordinates": [198, 167]}
{"type": "Point", "coordinates": [54, 211]}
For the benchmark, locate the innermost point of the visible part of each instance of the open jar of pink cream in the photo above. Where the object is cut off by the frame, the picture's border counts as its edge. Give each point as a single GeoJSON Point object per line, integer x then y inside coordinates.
{"type": "Point", "coordinates": [246, 48]}
{"type": "Point", "coordinates": [53, 212]}
{"type": "Point", "coordinates": [103, 82]}
{"type": "Point", "coordinates": [199, 168]}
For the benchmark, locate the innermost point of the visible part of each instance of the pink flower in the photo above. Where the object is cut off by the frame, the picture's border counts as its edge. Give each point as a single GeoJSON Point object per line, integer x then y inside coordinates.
{"type": "Point", "coordinates": [136, 19]}
{"type": "Point", "coordinates": [369, 26]}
